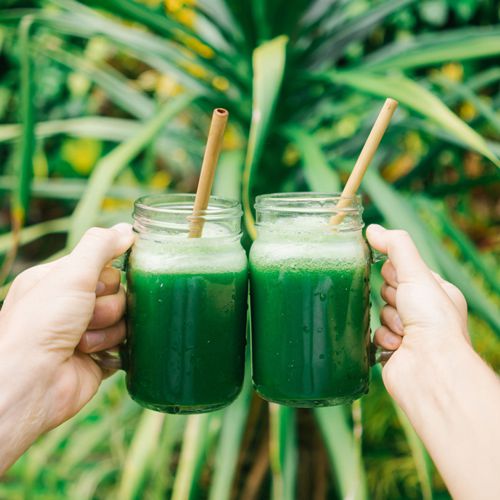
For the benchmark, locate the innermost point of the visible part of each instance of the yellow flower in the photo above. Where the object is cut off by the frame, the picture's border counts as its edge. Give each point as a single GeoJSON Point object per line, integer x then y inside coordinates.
{"type": "Point", "coordinates": [167, 86]}
{"type": "Point", "coordinates": [413, 143]}
{"type": "Point", "coordinates": [220, 83]}
{"type": "Point", "coordinates": [453, 71]}
{"type": "Point", "coordinates": [346, 126]}
{"type": "Point", "coordinates": [467, 111]}
{"type": "Point", "coordinates": [232, 138]}
{"type": "Point", "coordinates": [195, 70]}
{"type": "Point", "coordinates": [82, 153]}
{"type": "Point", "coordinates": [399, 167]}
{"type": "Point", "coordinates": [291, 155]}
{"type": "Point", "coordinates": [161, 180]}
{"type": "Point", "coordinates": [196, 46]}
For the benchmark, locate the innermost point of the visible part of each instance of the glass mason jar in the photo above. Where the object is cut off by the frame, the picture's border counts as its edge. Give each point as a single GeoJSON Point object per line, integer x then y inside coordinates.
{"type": "Point", "coordinates": [187, 305]}
{"type": "Point", "coordinates": [310, 301]}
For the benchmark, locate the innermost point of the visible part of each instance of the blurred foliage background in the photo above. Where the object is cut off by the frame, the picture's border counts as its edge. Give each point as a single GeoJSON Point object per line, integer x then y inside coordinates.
{"type": "Point", "coordinates": [102, 101]}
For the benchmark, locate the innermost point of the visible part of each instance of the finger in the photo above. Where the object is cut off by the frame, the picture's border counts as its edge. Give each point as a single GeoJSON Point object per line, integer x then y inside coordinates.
{"type": "Point", "coordinates": [387, 339]}
{"type": "Point", "coordinates": [390, 318]}
{"type": "Point", "coordinates": [455, 295]}
{"type": "Point", "coordinates": [109, 282]}
{"type": "Point", "coordinates": [388, 272]}
{"type": "Point", "coordinates": [388, 293]}
{"type": "Point", "coordinates": [108, 310]}
{"type": "Point", "coordinates": [97, 247]}
{"type": "Point", "coordinates": [402, 252]}
{"type": "Point", "coordinates": [100, 340]}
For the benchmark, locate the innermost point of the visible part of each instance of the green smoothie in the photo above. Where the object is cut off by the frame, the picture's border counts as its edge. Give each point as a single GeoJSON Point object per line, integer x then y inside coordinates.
{"type": "Point", "coordinates": [310, 322]}
{"type": "Point", "coordinates": [185, 347]}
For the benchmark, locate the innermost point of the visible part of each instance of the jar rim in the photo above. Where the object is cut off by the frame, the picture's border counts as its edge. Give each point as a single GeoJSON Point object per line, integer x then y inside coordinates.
{"type": "Point", "coordinates": [181, 204]}
{"type": "Point", "coordinates": [309, 202]}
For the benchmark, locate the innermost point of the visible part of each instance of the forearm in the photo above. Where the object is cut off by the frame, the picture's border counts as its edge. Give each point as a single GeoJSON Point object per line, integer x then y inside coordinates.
{"type": "Point", "coordinates": [21, 412]}
{"type": "Point", "coordinates": [453, 401]}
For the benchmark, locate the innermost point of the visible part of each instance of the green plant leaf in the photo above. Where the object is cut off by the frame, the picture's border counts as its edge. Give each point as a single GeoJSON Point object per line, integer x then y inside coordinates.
{"type": "Point", "coordinates": [20, 202]}
{"type": "Point", "coordinates": [335, 40]}
{"type": "Point", "coordinates": [418, 99]}
{"type": "Point", "coordinates": [228, 447]}
{"type": "Point", "coordinates": [317, 172]}
{"type": "Point", "coordinates": [142, 451]}
{"type": "Point", "coordinates": [437, 48]}
{"type": "Point", "coordinates": [113, 163]}
{"type": "Point", "coordinates": [35, 231]}
{"type": "Point", "coordinates": [399, 213]}
{"type": "Point", "coordinates": [109, 80]}
{"type": "Point", "coordinates": [194, 447]}
{"type": "Point", "coordinates": [283, 451]}
{"type": "Point", "coordinates": [345, 460]}
{"type": "Point", "coordinates": [268, 70]}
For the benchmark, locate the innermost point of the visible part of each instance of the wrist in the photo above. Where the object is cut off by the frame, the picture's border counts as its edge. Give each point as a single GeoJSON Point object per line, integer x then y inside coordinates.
{"type": "Point", "coordinates": [23, 413]}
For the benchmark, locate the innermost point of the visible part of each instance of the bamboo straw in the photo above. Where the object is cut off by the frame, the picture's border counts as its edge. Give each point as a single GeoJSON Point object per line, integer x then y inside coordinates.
{"type": "Point", "coordinates": [365, 158]}
{"type": "Point", "coordinates": [212, 152]}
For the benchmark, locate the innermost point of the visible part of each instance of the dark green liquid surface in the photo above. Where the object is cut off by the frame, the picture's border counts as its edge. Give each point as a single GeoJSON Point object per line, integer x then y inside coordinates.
{"type": "Point", "coordinates": [310, 333]}
{"type": "Point", "coordinates": [185, 345]}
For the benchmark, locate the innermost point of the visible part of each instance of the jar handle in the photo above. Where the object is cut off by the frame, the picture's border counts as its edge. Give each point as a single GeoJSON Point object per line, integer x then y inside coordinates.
{"type": "Point", "coordinates": [110, 359]}
{"type": "Point", "coordinates": [376, 256]}
{"type": "Point", "coordinates": [113, 359]}
{"type": "Point", "coordinates": [378, 355]}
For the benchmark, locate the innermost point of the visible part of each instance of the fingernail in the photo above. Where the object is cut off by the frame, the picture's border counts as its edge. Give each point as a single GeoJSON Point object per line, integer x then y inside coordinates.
{"type": "Point", "coordinates": [100, 287]}
{"type": "Point", "coordinates": [377, 227]}
{"type": "Point", "coordinates": [93, 339]}
{"type": "Point", "coordinates": [389, 341]}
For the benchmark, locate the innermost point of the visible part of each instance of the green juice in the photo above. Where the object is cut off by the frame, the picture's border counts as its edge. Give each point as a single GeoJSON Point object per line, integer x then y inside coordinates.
{"type": "Point", "coordinates": [185, 345]}
{"type": "Point", "coordinates": [310, 323]}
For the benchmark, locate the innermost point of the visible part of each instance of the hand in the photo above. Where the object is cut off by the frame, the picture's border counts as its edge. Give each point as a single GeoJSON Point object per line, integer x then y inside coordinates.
{"type": "Point", "coordinates": [53, 316]}
{"type": "Point", "coordinates": [424, 314]}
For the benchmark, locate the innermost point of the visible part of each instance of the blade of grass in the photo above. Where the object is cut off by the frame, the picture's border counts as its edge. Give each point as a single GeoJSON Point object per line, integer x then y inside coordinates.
{"type": "Point", "coordinates": [194, 447]}
{"type": "Point", "coordinates": [317, 172]}
{"type": "Point", "coordinates": [162, 475]}
{"type": "Point", "coordinates": [72, 189]}
{"type": "Point", "coordinates": [436, 48]}
{"type": "Point", "coordinates": [418, 99]}
{"type": "Point", "coordinates": [227, 181]}
{"type": "Point", "coordinates": [113, 163]}
{"type": "Point", "coordinates": [283, 451]}
{"type": "Point", "coordinates": [460, 276]}
{"type": "Point", "coordinates": [465, 93]}
{"type": "Point", "coordinates": [35, 231]}
{"type": "Point", "coordinates": [24, 173]}
{"type": "Point", "coordinates": [399, 213]}
{"type": "Point", "coordinates": [332, 44]}
{"type": "Point", "coordinates": [143, 449]}
{"type": "Point", "coordinates": [469, 252]}
{"type": "Point", "coordinates": [228, 448]}
{"type": "Point", "coordinates": [345, 460]}
{"type": "Point", "coordinates": [86, 485]}
{"type": "Point", "coordinates": [113, 83]}
{"type": "Point", "coordinates": [268, 70]}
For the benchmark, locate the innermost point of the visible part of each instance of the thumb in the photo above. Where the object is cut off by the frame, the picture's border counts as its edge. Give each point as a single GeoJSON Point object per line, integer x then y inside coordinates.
{"type": "Point", "coordinates": [402, 252]}
{"type": "Point", "coordinates": [97, 247]}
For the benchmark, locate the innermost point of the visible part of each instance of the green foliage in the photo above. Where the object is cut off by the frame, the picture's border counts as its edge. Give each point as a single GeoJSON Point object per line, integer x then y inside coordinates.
{"type": "Point", "coordinates": [123, 91]}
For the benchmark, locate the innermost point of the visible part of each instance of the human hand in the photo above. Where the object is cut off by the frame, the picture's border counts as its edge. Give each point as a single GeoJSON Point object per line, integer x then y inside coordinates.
{"type": "Point", "coordinates": [424, 315]}
{"type": "Point", "coordinates": [52, 317]}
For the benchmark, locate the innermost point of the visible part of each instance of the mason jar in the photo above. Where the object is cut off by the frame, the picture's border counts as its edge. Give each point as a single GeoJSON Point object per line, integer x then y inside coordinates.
{"type": "Point", "coordinates": [187, 305]}
{"type": "Point", "coordinates": [310, 302]}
